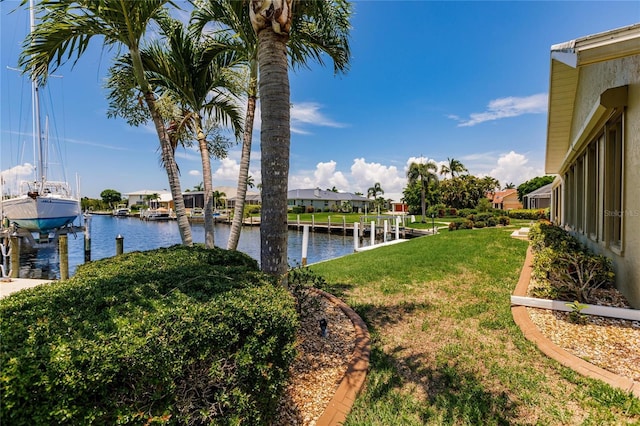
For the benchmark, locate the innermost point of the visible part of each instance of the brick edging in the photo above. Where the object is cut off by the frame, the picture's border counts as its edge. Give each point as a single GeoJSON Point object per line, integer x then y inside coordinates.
{"type": "Point", "coordinates": [546, 346]}
{"type": "Point", "coordinates": [353, 380]}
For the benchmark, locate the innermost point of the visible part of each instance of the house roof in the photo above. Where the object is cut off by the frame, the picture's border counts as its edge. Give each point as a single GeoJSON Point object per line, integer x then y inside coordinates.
{"type": "Point", "coordinates": [499, 196]}
{"type": "Point", "coordinates": [320, 194]}
{"type": "Point", "coordinates": [566, 59]}
{"type": "Point", "coordinates": [542, 192]}
{"type": "Point", "coordinates": [144, 192]}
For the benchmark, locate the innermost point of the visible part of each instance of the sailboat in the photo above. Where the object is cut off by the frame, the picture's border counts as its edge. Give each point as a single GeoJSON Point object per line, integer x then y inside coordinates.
{"type": "Point", "coordinates": [41, 205]}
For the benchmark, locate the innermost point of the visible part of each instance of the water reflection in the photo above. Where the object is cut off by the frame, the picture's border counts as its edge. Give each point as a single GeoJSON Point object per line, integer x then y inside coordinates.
{"type": "Point", "coordinates": [142, 235]}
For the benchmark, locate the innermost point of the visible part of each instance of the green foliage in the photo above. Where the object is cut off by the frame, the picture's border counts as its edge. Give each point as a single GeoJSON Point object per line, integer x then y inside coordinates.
{"type": "Point", "coordinates": [530, 214]}
{"type": "Point", "coordinates": [298, 209]}
{"type": "Point", "coordinates": [504, 220]}
{"type": "Point", "coordinates": [532, 185]}
{"type": "Point", "coordinates": [575, 315]}
{"type": "Point", "coordinates": [183, 334]}
{"type": "Point", "coordinates": [484, 205]}
{"type": "Point", "coordinates": [467, 212]}
{"type": "Point", "coordinates": [300, 281]}
{"type": "Point", "coordinates": [565, 268]}
{"type": "Point", "coordinates": [110, 196]}
{"type": "Point", "coordinates": [479, 224]}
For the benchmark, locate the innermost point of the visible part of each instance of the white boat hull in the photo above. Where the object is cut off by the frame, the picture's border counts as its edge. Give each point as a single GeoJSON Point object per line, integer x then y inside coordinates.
{"type": "Point", "coordinates": [42, 213]}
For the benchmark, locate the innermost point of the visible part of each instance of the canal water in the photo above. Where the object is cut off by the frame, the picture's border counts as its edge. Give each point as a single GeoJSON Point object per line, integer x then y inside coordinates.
{"type": "Point", "coordinates": [140, 235]}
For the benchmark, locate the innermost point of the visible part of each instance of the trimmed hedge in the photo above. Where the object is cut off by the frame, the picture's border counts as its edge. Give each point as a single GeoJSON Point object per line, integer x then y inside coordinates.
{"type": "Point", "coordinates": [529, 214]}
{"type": "Point", "coordinates": [178, 335]}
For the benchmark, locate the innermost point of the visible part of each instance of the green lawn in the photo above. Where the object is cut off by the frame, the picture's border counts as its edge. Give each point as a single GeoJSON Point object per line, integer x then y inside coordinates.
{"type": "Point", "coordinates": [445, 349]}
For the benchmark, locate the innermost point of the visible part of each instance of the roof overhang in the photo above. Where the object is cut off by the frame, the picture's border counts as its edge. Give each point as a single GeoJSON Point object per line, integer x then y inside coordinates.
{"type": "Point", "coordinates": [566, 60]}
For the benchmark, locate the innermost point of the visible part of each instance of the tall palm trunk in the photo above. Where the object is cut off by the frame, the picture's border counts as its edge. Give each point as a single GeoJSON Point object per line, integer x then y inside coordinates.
{"type": "Point", "coordinates": [171, 168]}
{"type": "Point", "coordinates": [245, 160]}
{"type": "Point", "coordinates": [275, 138]}
{"type": "Point", "coordinates": [423, 203]}
{"type": "Point", "coordinates": [168, 159]}
{"type": "Point", "coordinates": [208, 185]}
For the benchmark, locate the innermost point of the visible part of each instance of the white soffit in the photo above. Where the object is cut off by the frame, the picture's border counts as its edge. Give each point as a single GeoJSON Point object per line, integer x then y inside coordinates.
{"type": "Point", "coordinates": [566, 58]}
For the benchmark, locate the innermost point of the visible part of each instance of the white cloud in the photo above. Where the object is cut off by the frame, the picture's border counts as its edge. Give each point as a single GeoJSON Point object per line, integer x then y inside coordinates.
{"type": "Point", "coordinates": [12, 177]}
{"type": "Point", "coordinates": [514, 168]}
{"type": "Point", "coordinates": [194, 173]}
{"type": "Point", "coordinates": [303, 115]}
{"type": "Point", "coordinates": [227, 173]}
{"type": "Point", "coordinates": [228, 170]}
{"type": "Point", "coordinates": [511, 106]}
{"type": "Point", "coordinates": [359, 178]}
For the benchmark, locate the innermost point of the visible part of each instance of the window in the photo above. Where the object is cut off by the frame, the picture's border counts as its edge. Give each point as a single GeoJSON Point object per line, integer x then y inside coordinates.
{"type": "Point", "coordinates": [592, 189]}
{"type": "Point", "coordinates": [613, 174]}
{"type": "Point", "coordinates": [579, 194]}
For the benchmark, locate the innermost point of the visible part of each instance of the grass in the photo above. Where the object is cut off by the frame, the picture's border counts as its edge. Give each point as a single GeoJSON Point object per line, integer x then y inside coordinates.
{"type": "Point", "coordinates": [445, 349]}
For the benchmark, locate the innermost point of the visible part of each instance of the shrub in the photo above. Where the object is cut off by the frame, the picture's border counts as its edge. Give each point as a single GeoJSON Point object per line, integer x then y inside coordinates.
{"type": "Point", "coordinates": [566, 269]}
{"type": "Point", "coordinates": [491, 221]}
{"type": "Point", "coordinates": [483, 216]}
{"type": "Point", "coordinates": [529, 214]}
{"type": "Point", "coordinates": [479, 224]}
{"type": "Point", "coordinates": [310, 209]}
{"type": "Point", "coordinates": [577, 274]}
{"type": "Point", "coordinates": [452, 211]}
{"type": "Point", "coordinates": [185, 334]}
{"type": "Point", "coordinates": [466, 212]}
{"type": "Point", "coordinates": [484, 205]}
{"type": "Point", "coordinates": [504, 220]}
{"type": "Point", "coordinates": [298, 209]}
{"type": "Point", "coordinates": [466, 224]}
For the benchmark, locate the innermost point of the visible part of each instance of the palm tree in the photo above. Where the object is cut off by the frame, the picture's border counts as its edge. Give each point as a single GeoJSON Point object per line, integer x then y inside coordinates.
{"type": "Point", "coordinates": [65, 30]}
{"type": "Point", "coordinates": [452, 167]}
{"type": "Point", "coordinates": [425, 174]}
{"type": "Point", "coordinates": [373, 192]}
{"type": "Point", "coordinates": [195, 73]}
{"type": "Point", "coordinates": [510, 185]}
{"type": "Point", "coordinates": [234, 15]}
{"type": "Point", "coordinates": [217, 197]}
{"type": "Point", "coordinates": [308, 38]}
{"type": "Point", "coordinates": [274, 21]}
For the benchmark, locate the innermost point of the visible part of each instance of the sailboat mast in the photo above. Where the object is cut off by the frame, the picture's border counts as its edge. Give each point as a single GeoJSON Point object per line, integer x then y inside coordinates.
{"type": "Point", "coordinates": [35, 101]}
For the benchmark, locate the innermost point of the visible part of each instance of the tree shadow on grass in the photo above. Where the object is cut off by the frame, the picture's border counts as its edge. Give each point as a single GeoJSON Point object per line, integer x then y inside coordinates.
{"type": "Point", "coordinates": [453, 395]}
{"type": "Point", "coordinates": [450, 392]}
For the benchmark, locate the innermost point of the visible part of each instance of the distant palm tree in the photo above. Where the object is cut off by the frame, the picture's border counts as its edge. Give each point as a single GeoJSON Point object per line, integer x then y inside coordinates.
{"type": "Point", "coordinates": [373, 192]}
{"type": "Point", "coordinates": [65, 29]}
{"type": "Point", "coordinates": [452, 167]}
{"type": "Point", "coordinates": [217, 197]}
{"type": "Point", "coordinates": [510, 185]}
{"type": "Point", "coordinates": [198, 187]}
{"type": "Point", "coordinates": [423, 173]}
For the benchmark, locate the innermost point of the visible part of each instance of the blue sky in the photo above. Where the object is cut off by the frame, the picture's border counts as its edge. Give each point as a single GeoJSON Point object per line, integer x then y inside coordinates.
{"type": "Point", "coordinates": [428, 80]}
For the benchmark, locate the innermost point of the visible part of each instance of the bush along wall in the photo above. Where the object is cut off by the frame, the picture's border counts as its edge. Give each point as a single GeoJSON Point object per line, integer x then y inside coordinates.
{"type": "Point", "coordinates": [182, 335]}
{"type": "Point", "coordinates": [563, 268]}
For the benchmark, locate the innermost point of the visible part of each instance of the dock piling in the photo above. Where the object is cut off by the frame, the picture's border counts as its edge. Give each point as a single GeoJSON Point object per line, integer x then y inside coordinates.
{"type": "Point", "coordinates": [305, 244]}
{"type": "Point", "coordinates": [119, 244]}
{"type": "Point", "coordinates": [15, 257]}
{"type": "Point", "coordinates": [63, 248]}
{"type": "Point", "coordinates": [87, 239]}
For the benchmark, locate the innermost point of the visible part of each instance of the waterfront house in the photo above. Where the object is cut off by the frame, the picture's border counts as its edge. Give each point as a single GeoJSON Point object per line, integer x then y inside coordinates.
{"type": "Point", "coordinates": [195, 199]}
{"type": "Point", "coordinates": [505, 200]}
{"type": "Point", "coordinates": [320, 200]}
{"type": "Point", "coordinates": [593, 146]}
{"type": "Point", "coordinates": [538, 199]}
{"type": "Point", "coordinates": [151, 198]}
